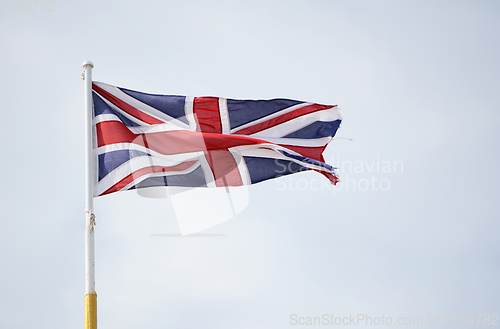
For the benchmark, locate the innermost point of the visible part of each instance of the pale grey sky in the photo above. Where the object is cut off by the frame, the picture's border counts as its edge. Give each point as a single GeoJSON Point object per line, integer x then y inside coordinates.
{"type": "Point", "coordinates": [417, 82]}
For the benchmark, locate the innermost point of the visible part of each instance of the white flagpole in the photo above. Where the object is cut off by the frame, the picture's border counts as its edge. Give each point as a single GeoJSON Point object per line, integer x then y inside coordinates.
{"type": "Point", "coordinates": [90, 294]}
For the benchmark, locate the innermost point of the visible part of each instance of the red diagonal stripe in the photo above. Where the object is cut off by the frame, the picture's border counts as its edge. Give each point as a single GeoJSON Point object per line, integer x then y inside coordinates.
{"type": "Point", "coordinates": [145, 171]}
{"type": "Point", "coordinates": [125, 106]}
{"type": "Point", "coordinates": [282, 119]}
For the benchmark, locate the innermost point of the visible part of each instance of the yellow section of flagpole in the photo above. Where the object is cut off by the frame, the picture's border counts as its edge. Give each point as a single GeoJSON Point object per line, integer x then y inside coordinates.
{"type": "Point", "coordinates": [91, 311]}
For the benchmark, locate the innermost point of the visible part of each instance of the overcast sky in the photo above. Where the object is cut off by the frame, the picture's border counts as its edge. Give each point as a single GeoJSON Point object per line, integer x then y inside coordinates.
{"type": "Point", "coordinates": [411, 231]}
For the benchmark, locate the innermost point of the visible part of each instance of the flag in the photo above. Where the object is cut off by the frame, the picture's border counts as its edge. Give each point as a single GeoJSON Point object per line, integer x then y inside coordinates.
{"type": "Point", "coordinates": [144, 140]}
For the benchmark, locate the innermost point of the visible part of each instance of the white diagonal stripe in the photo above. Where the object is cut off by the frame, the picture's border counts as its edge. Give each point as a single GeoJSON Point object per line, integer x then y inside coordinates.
{"type": "Point", "coordinates": [270, 116]}
{"type": "Point", "coordinates": [290, 126]}
{"type": "Point", "coordinates": [316, 142]}
{"type": "Point", "coordinates": [128, 168]}
{"type": "Point", "coordinates": [125, 114]}
{"type": "Point", "coordinates": [271, 151]}
{"type": "Point", "coordinates": [115, 91]}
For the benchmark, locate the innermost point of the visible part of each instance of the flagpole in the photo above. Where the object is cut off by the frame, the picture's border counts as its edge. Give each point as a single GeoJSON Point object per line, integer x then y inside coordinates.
{"type": "Point", "coordinates": [90, 294]}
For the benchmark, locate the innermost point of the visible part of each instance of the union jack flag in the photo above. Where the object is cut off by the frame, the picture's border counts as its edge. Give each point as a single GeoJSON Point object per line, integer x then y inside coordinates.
{"type": "Point", "coordinates": [144, 140]}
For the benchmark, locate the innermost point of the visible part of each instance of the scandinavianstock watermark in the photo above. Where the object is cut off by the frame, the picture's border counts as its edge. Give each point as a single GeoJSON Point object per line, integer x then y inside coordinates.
{"type": "Point", "coordinates": [381, 320]}
{"type": "Point", "coordinates": [355, 175]}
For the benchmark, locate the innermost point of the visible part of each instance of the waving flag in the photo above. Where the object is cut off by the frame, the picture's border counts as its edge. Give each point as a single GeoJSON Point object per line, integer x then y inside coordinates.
{"type": "Point", "coordinates": [145, 140]}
